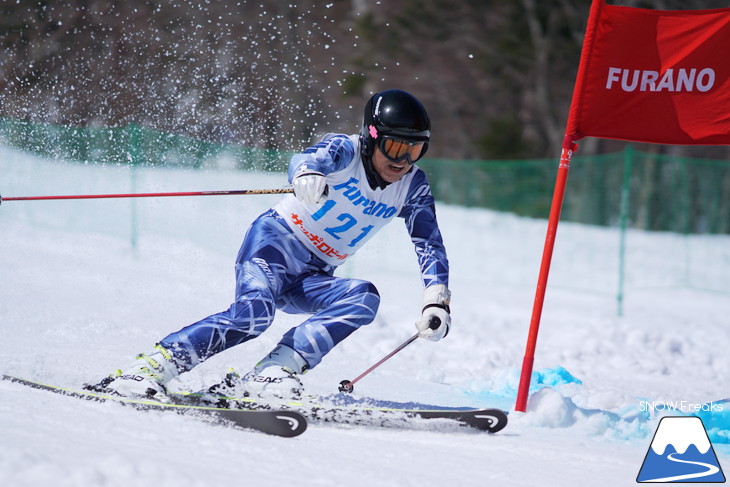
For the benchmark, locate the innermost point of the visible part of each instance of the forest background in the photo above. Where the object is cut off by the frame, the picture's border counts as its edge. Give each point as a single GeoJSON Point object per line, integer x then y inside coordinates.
{"type": "Point", "coordinates": [496, 75]}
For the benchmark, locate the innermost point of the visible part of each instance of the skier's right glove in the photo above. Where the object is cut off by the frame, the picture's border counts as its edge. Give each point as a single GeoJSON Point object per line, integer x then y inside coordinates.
{"type": "Point", "coordinates": [435, 318]}
{"type": "Point", "coordinates": [310, 187]}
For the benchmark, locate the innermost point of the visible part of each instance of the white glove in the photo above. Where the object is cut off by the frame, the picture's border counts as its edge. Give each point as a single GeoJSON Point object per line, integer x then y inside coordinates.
{"type": "Point", "coordinates": [435, 319]}
{"type": "Point", "coordinates": [310, 187]}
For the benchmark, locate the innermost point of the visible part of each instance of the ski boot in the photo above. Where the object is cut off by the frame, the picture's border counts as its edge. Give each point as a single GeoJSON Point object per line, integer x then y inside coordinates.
{"type": "Point", "coordinates": [145, 379]}
{"type": "Point", "coordinates": [275, 377]}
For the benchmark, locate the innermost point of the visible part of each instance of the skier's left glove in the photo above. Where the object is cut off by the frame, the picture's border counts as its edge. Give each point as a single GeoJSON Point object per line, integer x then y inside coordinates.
{"type": "Point", "coordinates": [435, 318]}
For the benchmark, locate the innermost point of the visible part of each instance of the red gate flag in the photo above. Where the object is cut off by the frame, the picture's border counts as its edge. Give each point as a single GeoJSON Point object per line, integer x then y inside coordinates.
{"type": "Point", "coordinates": [660, 76]}
{"type": "Point", "coordinates": [646, 76]}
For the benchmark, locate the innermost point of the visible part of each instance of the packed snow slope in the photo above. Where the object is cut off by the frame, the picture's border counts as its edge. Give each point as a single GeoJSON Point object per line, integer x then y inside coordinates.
{"type": "Point", "coordinates": [85, 285]}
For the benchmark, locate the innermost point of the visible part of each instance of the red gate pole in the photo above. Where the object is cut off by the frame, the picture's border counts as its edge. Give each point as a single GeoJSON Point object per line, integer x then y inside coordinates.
{"type": "Point", "coordinates": [523, 391]}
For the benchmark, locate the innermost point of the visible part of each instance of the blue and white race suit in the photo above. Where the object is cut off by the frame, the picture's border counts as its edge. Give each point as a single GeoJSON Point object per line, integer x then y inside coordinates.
{"type": "Point", "coordinates": [290, 253]}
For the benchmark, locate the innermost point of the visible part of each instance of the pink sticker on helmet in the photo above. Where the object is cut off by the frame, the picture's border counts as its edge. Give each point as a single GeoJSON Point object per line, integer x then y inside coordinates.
{"type": "Point", "coordinates": [373, 132]}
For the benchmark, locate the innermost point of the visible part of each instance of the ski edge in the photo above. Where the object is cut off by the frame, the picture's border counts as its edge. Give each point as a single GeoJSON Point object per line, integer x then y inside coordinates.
{"type": "Point", "coordinates": [490, 420]}
{"type": "Point", "coordinates": [278, 422]}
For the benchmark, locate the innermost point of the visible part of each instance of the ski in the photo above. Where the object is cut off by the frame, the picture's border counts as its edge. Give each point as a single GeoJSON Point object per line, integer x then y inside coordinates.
{"type": "Point", "coordinates": [489, 420]}
{"type": "Point", "coordinates": [287, 423]}
{"type": "Point", "coordinates": [342, 409]}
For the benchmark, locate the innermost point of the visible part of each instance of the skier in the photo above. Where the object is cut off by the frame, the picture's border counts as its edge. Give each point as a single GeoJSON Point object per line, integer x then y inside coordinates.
{"type": "Point", "coordinates": [346, 188]}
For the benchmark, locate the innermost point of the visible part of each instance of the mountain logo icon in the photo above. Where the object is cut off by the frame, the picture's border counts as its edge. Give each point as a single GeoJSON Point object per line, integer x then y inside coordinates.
{"type": "Point", "coordinates": [680, 452]}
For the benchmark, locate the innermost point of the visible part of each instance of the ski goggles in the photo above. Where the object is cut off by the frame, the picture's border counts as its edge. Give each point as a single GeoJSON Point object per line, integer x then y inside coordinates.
{"type": "Point", "coordinates": [401, 150]}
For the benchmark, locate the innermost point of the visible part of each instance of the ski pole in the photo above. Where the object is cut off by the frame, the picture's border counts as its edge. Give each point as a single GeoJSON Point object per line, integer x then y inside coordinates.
{"type": "Point", "coordinates": [348, 385]}
{"type": "Point", "coordinates": [149, 195]}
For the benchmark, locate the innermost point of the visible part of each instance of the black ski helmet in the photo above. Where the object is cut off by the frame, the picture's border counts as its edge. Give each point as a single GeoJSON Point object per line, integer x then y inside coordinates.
{"type": "Point", "coordinates": [396, 113]}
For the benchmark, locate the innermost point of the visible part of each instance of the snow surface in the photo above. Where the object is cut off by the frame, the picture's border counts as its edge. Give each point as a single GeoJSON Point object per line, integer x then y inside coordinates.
{"type": "Point", "coordinates": [81, 293]}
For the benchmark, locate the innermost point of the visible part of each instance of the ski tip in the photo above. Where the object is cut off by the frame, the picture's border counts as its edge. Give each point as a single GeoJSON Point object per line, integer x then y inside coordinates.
{"type": "Point", "coordinates": [491, 421]}
{"type": "Point", "coordinates": [283, 423]}
{"type": "Point", "coordinates": [488, 420]}
{"type": "Point", "coordinates": [294, 423]}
